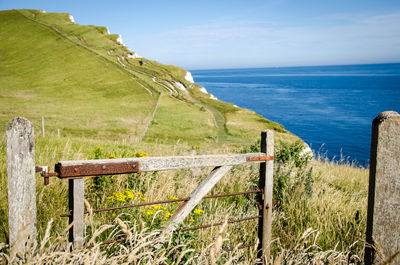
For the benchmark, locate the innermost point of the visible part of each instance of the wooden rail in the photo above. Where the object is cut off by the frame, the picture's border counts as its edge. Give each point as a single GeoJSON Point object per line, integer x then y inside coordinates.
{"type": "Point", "coordinates": [90, 168]}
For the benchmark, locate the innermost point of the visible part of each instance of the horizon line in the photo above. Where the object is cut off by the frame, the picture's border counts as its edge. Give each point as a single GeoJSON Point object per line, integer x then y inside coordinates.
{"type": "Point", "coordinates": [299, 66]}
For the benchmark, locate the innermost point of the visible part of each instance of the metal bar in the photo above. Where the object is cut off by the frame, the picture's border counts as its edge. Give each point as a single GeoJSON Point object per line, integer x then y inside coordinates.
{"type": "Point", "coordinates": [41, 168]}
{"type": "Point", "coordinates": [44, 171]}
{"type": "Point", "coordinates": [96, 169]}
{"type": "Point", "coordinates": [232, 194]}
{"type": "Point", "coordinates": [221, 223]}
{"type": "Point", "coordinates": [124, 239]}
{"type": "Point", "coordinates": [46, 181]}
{"type": "Point", "coordinates": [128, 206]}
{"type": "Point", "coordinates": [240, 247]}
{"type": "Point", "coordinates": [106, 242]}
{"type": "Point", "coordinates": [112, 241]}
{"type": "Point", "coordinates": [49, 174]}
{"type": "Point", "coordinates": [83, 168]}
{"type": "Point", "coordinates": [259, 158]}
{"type": "Point", "coordinates": [162, 202]}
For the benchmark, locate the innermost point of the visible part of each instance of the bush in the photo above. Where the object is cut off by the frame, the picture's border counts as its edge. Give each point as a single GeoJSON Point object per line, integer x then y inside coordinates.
{"type": "Point", "coordinates": [287, 152]}
{"type": "Point", "coordinates": [292, 176]}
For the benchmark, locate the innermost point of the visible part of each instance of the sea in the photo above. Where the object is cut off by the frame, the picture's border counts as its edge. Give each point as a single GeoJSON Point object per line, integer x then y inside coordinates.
{"type": "Point", "coordinates": [330, 107]}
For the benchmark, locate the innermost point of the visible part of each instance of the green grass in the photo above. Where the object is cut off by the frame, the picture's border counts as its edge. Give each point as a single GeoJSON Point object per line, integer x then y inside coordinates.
{"type": "Point", "coordinates": [175, 120]}
{"type": "Point", "coordinates": [71, 75]}
{"type": "Point", "coordinates": [80, 79]}
{"type": "Point", "coordinates": [46, 75]}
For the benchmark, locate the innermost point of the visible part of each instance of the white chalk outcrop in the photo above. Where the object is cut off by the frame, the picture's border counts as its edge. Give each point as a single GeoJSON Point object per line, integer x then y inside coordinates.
{"type": "Point", "coordinates": [202, 89]}
{"type": "Point", "coordinates": [189, 77]}
{"type": "Point", "coordinates": [213, 97]}
{"type": "Point", "coordinates": [306, 151]}
{"type": "Point", "coordinates": [71, 18]}
{"type": "Point", "coordinates": [42, 11]}
{"type": "Point", "coordinates": [133, 55]}
{"type": "Point", "coordinates": [108, 31]}
{"type": "Point", "coordinates": [119, 40]}
{"type": "Point", "coordinates": [171, 87]}
{"type": "Point", "coordinates": [180, 86]}
{"type": "Point", "coordinates": [120, 61]}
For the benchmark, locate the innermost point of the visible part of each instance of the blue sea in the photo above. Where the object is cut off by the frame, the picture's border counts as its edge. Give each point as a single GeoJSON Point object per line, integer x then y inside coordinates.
{"type": "Point", "coordinates": [330, 107]}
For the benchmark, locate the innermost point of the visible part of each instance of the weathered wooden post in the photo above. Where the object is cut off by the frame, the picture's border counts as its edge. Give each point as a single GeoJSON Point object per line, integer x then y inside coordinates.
{"type": "Point", "coordinates": [21, 183]}
{"type": "Point", "coordinates": [266, 182]}
{"type": "Point", "coordinates": [383, 219]}
{"type": "Point", "coordinates": [76, 208]}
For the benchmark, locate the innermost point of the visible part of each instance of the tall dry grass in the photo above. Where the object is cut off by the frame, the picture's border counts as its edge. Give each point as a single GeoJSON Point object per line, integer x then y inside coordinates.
{"type": "Point", "coordinates": [141, 248]}
{"type": "Point", "coordinates": [320, 217]}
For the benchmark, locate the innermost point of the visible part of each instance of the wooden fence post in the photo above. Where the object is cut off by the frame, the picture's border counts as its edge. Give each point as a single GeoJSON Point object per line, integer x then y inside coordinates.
{"type": "Point", "coordinates": [266, 182]}
{"type": "Point", "coordinates": [383, 219]}
{"type": "Point", "coordinates": [76, 208]}
{"type": "Point", "coordinates": [21, 183]}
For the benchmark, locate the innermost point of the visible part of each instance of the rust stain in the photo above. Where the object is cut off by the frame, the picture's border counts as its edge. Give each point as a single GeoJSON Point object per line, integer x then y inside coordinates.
{"type": "Point", "coordinates": [96, 169]}
{"type": "Point", "coordinates": [259, 158]}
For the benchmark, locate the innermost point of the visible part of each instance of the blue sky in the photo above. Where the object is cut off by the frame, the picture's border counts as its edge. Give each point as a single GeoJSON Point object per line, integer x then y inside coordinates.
{"type": "Point", "coordinates": [233, 34]}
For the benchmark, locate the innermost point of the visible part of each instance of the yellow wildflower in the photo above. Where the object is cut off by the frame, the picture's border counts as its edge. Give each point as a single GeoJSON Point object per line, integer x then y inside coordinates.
{"type": "Point", "coordinates": [173, 198]}
{"type": "Point", "coordinates": [112, 156]}
{"type": "Point", "coordinates": [159, 207]}
{"type": "Point", "coordinates": [141, 154]}
{"type": "Point", "coordinates": [120, 197]}
{"type": "Point", "coordinates": [167, 215]}
{"type": "Point", "coordinates": [198, 211]}
{"type": "Point", "coordinates": [150, 212]}
{"type": "Point", "coordinates": [110, 197]}
{"type": "Point", "coordinates": [129, 194]}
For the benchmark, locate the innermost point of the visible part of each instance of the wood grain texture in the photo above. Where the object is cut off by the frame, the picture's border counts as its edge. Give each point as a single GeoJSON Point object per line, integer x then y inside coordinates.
{"type": "Point", "coordinates": [266, 182]}
{"type": "Point", "coordinates": [21, 183]}
{"type": "Point", "coordinates": [173, 162]}
{"type": "Point", "coordinates": [383, 219]}
{"type": "Point", "coordinates": [77, 208]}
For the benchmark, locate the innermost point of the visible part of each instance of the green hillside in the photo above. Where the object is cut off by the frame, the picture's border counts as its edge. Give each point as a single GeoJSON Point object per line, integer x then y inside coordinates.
{"type": "Point", "coordinates": [107, 102]}
{"type": "Point", "coordinates": [87, 84]}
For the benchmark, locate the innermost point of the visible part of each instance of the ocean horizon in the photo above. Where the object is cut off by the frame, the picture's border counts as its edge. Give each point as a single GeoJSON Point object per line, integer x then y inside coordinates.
{"type": "Point", "coordinates": [330, 107]}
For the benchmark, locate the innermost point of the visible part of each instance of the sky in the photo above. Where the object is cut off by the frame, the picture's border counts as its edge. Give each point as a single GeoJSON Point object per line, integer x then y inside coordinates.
{"type": "Point", "coordinates": [238, 34]}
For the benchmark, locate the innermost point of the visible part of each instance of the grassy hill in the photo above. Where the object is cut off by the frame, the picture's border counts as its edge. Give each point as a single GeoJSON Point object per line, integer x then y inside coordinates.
{"type": "Point", "coordinates": [109, 103]}
{"type": "Point", "coordinates": [87, 84]}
